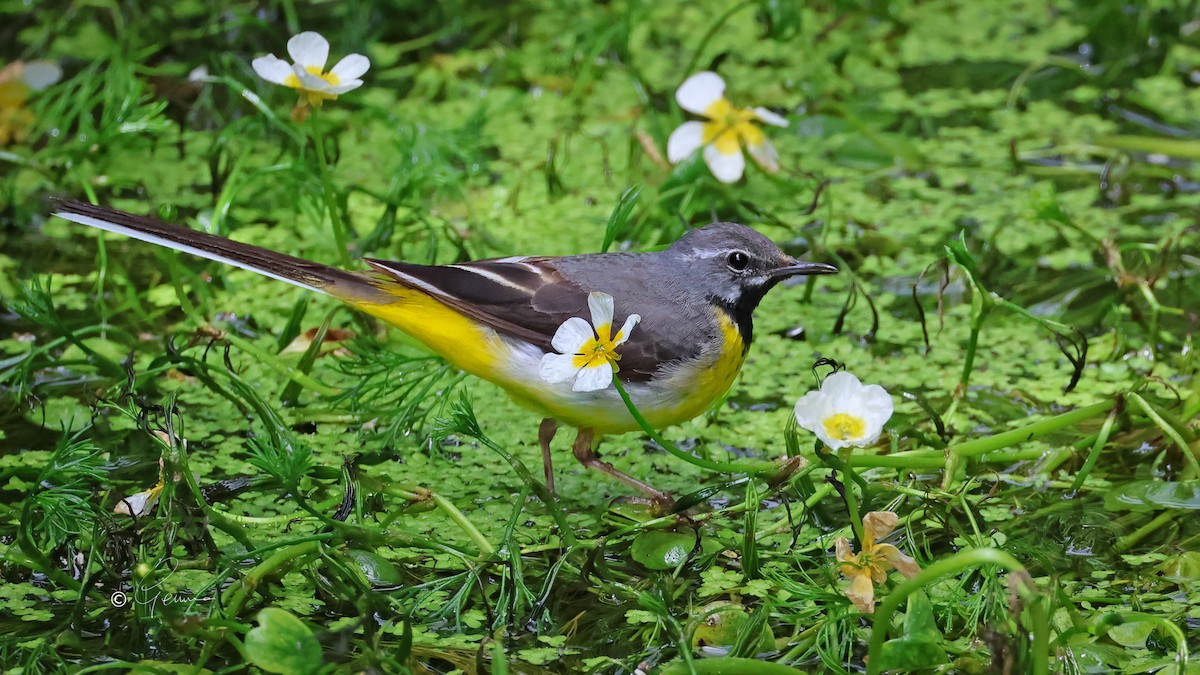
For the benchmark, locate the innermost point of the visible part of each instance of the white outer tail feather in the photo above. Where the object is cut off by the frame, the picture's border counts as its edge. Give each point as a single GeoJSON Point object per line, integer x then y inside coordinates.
{"type": "Point", "coordinates": [109, 226]}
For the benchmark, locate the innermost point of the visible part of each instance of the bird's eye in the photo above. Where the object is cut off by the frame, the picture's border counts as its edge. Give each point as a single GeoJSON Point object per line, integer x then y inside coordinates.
{"type": "Point", "coordinates": [738, 261]}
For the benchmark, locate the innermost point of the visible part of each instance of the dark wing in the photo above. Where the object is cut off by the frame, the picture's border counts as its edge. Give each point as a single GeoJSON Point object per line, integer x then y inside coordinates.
{"type": "Point", "coordinates": [526, 298]}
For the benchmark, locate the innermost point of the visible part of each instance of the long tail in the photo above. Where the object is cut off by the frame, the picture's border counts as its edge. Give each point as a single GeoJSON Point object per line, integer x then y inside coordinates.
{"type": "Point", "coordinates": [298, 271]}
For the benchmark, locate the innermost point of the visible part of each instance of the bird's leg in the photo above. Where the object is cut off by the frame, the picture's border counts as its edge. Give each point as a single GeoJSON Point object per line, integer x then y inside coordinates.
{"type": "Point", "coordinates": [586, 454]}
{"type": "Point", "coordinates": [546, 434]}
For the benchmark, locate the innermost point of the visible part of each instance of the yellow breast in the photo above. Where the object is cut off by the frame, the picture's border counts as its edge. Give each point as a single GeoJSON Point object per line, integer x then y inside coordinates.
{"type": "Point", "coordinates": [700, 384]}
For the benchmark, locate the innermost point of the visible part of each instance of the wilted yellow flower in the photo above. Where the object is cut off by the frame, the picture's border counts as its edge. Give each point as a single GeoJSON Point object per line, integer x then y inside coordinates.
{"type": "Point", "coordinates": [17, 81]}
{"type": "Point", "coordinates": [870, 566]}
{"type": "Point", "coordinates": [726, 131]}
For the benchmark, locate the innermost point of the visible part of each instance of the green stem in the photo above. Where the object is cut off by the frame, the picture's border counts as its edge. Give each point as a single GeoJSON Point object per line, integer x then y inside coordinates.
{"type": "Point", "coordinates": [747, 467]}
{"type": "Point", "coordinates": [340, 234]}
{"type": "Point", "coordinates": [1009, 455]}
{"type": "Point", "coordinates": [485, 547]}
{"type": "Point", "coordinates": [538, 487]}
{"type": "Point", "coordinates": [851, 499]}
{"type": "Point", "coordinates": [1188, 454]}
{"type": "Point", "coordinates": [1097, 447]}
{"type": "Point", "coordinates": [955, 563]}
{"type": "Point", "coordinates": [1128, 541]}
{"type": "Point", "coordinates": [978, 446]}
{"type": "Point", "coordinates": [920, 460]}
{"type": "Point", "coordinates": [284, 557]}
{"type": "Point", "coordinates": [820, 493]}
{"type": "Point", "coordinates": [1186, 149]}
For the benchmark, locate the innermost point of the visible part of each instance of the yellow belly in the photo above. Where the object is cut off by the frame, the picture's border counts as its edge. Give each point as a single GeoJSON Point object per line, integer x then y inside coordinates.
{"type": "Point", "coordinates": [462, 341]}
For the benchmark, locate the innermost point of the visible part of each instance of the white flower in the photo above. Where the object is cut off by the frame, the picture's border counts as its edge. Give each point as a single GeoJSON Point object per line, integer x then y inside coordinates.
{"type": "Point", "coordinates": [587, 354]}
{"type": "Point", "coordinates": [726, 131]}
{"type": "Point", "coordinates": [309, 52]}
{"type": "Point", "coordinates": [844, 412]}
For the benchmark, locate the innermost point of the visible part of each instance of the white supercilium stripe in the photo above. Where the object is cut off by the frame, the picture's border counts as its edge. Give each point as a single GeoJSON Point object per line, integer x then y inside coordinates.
{"type": "Point", "coordinates": [109, 226]}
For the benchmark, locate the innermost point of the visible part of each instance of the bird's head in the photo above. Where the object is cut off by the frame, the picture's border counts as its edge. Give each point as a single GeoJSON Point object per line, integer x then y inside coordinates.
{"type": "Point", "coordinates": [736, 266]}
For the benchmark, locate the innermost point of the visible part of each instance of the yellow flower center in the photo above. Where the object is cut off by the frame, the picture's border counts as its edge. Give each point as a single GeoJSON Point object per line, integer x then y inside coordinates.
{"type": "Point", "coordinates": [844, 427]}
{"type": "Point", "coordinates": [599, 350]}
{"type": "Point", "coordinates": [729, 128]}
{"type": "Point", "coordinates": [315, 98]}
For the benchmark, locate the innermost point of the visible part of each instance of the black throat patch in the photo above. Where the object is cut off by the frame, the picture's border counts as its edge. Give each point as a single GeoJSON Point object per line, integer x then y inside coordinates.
{"type": "Point", "coordinates": [742, 315]}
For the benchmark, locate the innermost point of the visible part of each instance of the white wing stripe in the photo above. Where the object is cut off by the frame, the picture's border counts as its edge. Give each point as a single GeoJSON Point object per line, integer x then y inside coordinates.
{"type": "Point", "coordinates": [492, 276]}
{"type": "Point", "coordinates": [410, 279]}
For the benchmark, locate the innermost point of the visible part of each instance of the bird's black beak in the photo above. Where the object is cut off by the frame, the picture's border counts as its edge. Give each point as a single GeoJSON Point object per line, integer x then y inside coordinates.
{"type": "Point", "coordinates": [799, 267]}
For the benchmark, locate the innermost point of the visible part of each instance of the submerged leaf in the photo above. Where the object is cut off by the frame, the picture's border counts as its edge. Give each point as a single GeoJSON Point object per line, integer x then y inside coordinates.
{"type": "Point", "coordinates": [920, 645]}
{"type": "Point", "coordinates": [662, 550]}
{"type": "Point", "coordinates": [1148, 495]}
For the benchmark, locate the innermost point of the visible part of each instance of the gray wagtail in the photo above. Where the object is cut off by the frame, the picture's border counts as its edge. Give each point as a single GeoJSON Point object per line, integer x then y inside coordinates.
{"type": "Point", "coordinates": [496, 318]}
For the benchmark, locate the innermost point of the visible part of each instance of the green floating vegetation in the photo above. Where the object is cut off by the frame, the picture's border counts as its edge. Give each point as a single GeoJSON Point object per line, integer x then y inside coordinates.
{"type": "Point", "coordinates": [206, 471]}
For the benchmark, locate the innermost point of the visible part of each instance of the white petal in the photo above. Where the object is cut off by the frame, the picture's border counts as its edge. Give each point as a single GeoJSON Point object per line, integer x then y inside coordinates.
{"type": "Point", "coordinates": [272, 68]}
{"type": "Point", "coordinates": [556, 368]}
{"type": "Point", "coordinates": [572, 335]}
{"type": "Point", "coordinates": [810, 410]}
{"type": "Point", "coordinates": [309, 81]}
{"type": "Point", "coordinates": [870, 435]}
{"type": "Point", "coordinates": [601, 305]}
{"type": "Point", "coordinates": [726, 168]}
{"type": "Point", "coordinates": [41, 74]}
{"type": "Point", "coordinates": [594, 378]}
{"type": "Point", "coordinates": [623, 334]}
{"type": "Point", "coordinates": [764, 154]}
{"type": "Point", "coordinates": [700, 91]}
{"type": "Point", "coordinates": [770, 117]}
{"type": "Point", "coordinates": [878, 405]}
{"type": "Point", "coordinates": [351, 67]}
{"type": "Point", "coordinates": [139, 504]}
{"type": "Point", "coordinates": [309, 49]}
{"type": "Point", "coordinates": [344, 87]}
{"type": "Point", "coordinates": [843, 390]}
{"type": "Point", "coordinates": [684, 141]}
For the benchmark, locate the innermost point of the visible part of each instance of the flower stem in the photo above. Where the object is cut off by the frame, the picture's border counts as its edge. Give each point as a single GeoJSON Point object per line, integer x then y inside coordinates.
{"type": "Point", "coordinates": [851, 499]}
{"type": "Point", "coordinates": [340, 233]}
{"type": "Point", "coordinates": [748, 467]}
